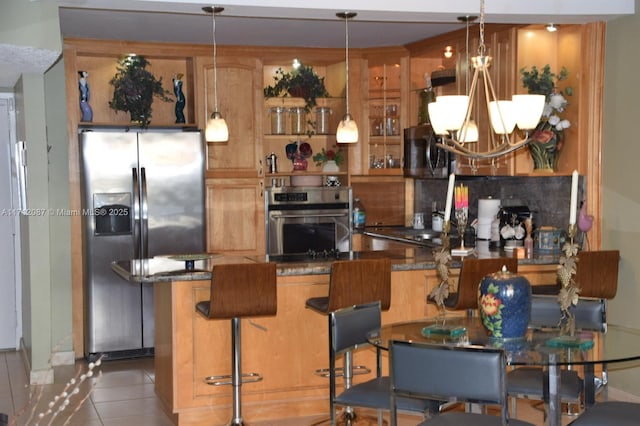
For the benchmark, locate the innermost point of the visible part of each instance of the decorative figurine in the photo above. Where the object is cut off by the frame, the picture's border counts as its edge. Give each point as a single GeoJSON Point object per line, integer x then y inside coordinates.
{"type": "Point", "coordinates": [180, 100]}
{"type": "Point", "coordinates": [85, 108]}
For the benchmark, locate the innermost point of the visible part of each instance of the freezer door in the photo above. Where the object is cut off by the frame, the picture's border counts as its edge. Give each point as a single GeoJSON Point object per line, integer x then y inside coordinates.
{"type": "Point", "coordinates": [113, 319]}
{"type": "Point", "coordinates": [172, 173]}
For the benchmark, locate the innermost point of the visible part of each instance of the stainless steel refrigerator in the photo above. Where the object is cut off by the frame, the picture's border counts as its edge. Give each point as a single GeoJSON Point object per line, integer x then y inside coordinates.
{"type": "Point", "coordinates": [142, 196]}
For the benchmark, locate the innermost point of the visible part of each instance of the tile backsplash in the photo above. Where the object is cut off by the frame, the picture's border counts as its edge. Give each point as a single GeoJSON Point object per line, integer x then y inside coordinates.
{"type": "Point", "coordinates": [547, 197]}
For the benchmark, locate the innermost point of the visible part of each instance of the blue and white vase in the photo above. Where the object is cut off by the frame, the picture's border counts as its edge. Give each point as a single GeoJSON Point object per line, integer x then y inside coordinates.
{"type": "Point", "coordinates": [504, 300]}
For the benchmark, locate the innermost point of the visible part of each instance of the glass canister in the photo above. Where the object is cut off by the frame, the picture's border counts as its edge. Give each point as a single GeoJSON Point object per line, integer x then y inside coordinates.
{"type": "Point", "coordinates": [322, 120]}
{"type": "Point", "coordinates": [278, 120]}
{"type": "Point", "coordinates": [298, 117]}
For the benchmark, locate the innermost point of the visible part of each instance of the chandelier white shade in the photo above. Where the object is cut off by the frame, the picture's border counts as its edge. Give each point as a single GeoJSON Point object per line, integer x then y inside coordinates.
{"type": "Point", "coordinates": [347, 131]}
{"type": "Point", "coordinates": [451, 116]}
{"type": "Point", "coordinates": [216, 130]}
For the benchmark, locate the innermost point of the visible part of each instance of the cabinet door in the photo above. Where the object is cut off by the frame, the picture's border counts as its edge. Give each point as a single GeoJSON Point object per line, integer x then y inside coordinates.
{"type": "Point", "coordinates": [235, 216]}
{"type": "Point", "coordinates": [240, 103]}
{"type": "Point", "coordinates": [385, 122]}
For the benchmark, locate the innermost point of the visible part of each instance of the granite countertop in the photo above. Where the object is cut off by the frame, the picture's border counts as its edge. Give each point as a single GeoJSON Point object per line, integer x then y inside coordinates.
{"type": "Point", "coordinates": [413, 257]}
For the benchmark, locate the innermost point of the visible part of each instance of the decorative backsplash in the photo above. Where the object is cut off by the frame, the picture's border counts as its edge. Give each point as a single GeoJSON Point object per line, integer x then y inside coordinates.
{"type": "Point", "coordinates": [546, 196]}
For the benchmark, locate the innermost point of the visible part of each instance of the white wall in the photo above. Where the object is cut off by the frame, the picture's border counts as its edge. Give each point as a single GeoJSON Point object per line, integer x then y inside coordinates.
{"type": "Point", "coordinates": [620, 189]}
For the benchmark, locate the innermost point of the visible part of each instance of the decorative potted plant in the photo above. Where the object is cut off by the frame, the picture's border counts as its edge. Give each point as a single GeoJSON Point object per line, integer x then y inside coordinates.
{"type": "Point", "coordinates": [301, 82]}
{"type": "Point", "coordinates": [330, 160]}
{"type": "Point", "coordinates": [134, 89]}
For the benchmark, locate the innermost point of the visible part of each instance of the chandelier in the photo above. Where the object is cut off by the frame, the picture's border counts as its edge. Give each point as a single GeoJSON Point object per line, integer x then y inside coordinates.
{"type": "Point", "coordinates": [451, 115]}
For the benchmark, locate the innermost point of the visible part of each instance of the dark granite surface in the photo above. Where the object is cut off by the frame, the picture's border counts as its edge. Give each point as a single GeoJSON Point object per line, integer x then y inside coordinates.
{"type": "Point", "coordinates": [416, 256]}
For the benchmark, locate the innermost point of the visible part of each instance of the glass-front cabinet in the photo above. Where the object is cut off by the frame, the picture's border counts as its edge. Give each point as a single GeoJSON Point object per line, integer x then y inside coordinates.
{"type": "Point", "coordinates": [386, 113]}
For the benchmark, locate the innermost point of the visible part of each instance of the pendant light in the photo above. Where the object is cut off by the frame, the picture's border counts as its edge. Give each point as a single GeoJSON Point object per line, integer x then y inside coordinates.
{"type": "Point", "coordinates": [347, 129]}
{"type": "Point", "coordinates": [217, 130]}
{"type": "Point", "coordinates": [451, 114]}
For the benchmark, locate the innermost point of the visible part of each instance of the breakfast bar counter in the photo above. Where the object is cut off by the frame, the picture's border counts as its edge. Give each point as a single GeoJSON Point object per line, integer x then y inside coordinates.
{"type": "Point", "coordinates": [286, 349]}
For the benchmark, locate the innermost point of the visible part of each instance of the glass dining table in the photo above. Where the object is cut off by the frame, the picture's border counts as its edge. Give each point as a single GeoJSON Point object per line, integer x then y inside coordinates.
{"type": "Point", "coordinates": [546, 348]}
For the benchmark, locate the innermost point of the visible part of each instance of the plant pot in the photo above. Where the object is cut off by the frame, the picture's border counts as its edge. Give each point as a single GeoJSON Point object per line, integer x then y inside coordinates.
{"type": "Point", "coordinates": [330, 166]}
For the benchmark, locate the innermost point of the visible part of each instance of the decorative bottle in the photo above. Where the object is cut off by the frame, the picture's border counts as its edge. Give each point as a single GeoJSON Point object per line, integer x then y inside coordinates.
{"type": "Point", "coordinates": [359, 216]}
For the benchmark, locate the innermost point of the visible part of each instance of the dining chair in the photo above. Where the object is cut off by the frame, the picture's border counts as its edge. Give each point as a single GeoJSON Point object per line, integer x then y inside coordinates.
{"type": "Point", "coordinates": [618, 413]}
{"type": "Point", "coordinates": [443, 372]}
{"type": "Point", "coordinates": [348, 329]}
{"type": "Point", "coordinates": [353, 282]}
{"type": "Point", "coordinates": [472, 272]}
{"type": "Point", "coordinates": [528, 382]}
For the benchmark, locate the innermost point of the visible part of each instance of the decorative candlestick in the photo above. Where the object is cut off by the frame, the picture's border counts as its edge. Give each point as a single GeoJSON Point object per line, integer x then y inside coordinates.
{"type": "Point", "coordinates": [462, 217]}
{"type": "Point", "coordinates": [573, 208]}
{"type": "Point", "coordinates": [442, 258]}
{"type": "Point", "coordinates": [569, 291]}
{"type": "Point", "coordinates": [447, 208]}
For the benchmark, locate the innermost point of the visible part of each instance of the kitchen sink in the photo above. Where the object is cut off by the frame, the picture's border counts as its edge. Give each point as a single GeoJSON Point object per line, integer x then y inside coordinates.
{"type": "Point", "coordinates": [422, 237]}
{"type": "Point", "coordinates": [421, 234]}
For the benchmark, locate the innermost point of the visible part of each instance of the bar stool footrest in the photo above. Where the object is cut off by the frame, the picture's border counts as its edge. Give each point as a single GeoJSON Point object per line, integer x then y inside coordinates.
{"type": "Point", "coordinates": [219, 380]}
{"type": "Point", "coordinates": [357, 370]}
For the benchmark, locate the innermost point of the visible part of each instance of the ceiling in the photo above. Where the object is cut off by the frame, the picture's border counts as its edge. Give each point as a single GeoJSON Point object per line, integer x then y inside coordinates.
{"type": "Point", "coordinates": [287, 23]}
{"type": "Point", "coordinates": [295, 23]}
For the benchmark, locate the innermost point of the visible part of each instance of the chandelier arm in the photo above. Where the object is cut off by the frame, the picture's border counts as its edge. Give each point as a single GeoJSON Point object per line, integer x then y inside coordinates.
{"type": "Point", "coordinates": [497, 152]}
{"type": "Point", "coordinates": [472, 96]}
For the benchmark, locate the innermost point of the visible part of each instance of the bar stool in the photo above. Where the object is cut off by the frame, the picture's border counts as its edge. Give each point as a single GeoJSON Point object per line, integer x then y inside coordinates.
{"type": "Point", "coordinates": [353, 282]}
{"type": "Point", "coordinates": [239, 291]}
{"type": "Point", "coordinates": [471, 273]}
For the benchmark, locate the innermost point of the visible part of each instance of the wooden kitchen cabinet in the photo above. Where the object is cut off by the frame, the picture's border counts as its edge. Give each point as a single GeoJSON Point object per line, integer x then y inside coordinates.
{"type": "Point", "coordinates": [385, 97]}
{"type": "Point", "coordinates": [235, 216]}
{"type": "Point", "coordinates": [239, 102]}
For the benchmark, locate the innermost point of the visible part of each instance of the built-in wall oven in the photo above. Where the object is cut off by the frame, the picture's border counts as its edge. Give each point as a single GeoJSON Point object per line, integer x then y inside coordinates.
{"type": "Point", "coordinates": [302, 220]}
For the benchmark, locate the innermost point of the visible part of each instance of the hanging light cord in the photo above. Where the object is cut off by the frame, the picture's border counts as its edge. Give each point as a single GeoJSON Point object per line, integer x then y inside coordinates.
{"type": "Point", "coordinates": [215, 64]}
{"type": "Point", "coordinates": [346, 36]}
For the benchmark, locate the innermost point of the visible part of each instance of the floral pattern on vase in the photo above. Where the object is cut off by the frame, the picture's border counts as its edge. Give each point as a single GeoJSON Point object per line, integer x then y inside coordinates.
{"type": "Point", "coordinates": [543, 147]}
{"type": "Point", "coordinates": [504, 300]}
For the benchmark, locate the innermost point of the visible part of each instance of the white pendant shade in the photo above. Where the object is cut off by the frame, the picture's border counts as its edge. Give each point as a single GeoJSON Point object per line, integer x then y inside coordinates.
{"type": "Point", "coordinates": [347, 130]}
{"type": "Point", "coordinates": [217, 130]}
{"type": "Point", "coordinates": [528, 109]}
{"type": "Point", "coordinates": [502, 117]}
{"type": "Point", "coordinates": [455, 111]}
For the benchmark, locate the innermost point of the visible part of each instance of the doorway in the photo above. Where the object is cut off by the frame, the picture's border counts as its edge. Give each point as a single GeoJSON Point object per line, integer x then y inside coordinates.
{"type": "Point", "coordinates": [10, 271]}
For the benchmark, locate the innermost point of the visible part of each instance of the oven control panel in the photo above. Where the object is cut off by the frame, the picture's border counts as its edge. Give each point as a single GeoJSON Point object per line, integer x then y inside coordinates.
{"type": "Point", "coordinates": [308, 195]}
{"type": "Point", "coordinates": [284, 197]}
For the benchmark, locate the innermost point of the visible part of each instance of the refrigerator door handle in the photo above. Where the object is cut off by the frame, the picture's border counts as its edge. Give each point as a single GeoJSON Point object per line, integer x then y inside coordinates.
{"type": "Point", "coordinates": [136, 214]}
{"type": "Point", "coordinates": [144, 219]}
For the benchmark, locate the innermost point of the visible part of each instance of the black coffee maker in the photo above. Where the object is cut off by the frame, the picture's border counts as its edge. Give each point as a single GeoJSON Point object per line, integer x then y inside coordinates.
{"type": "Point", "coordinates": [512, 229]}
{"type": "Point", "coordinates": [422, 158]}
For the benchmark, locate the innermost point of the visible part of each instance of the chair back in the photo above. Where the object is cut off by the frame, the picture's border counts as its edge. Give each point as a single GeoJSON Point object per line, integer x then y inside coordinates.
{"type": "Point", "coordinates": [356, 282]}
{"type": "Point", "coordinates": [589, 313]}
{"type": "Point", "coordinates": [471, 274]}
{"type": "Point", "coordinates": [597, 273]}
{"type": "Point", "coordinates": [243, 290]}
{"type": "Point", "coordinates": [434, 371]}
{"type": "Point", "coordinates": [348, 327]}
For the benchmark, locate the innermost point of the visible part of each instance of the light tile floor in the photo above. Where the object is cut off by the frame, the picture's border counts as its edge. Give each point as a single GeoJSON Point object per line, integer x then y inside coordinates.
{"type": "Point", "coordinates": [122, 394]}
